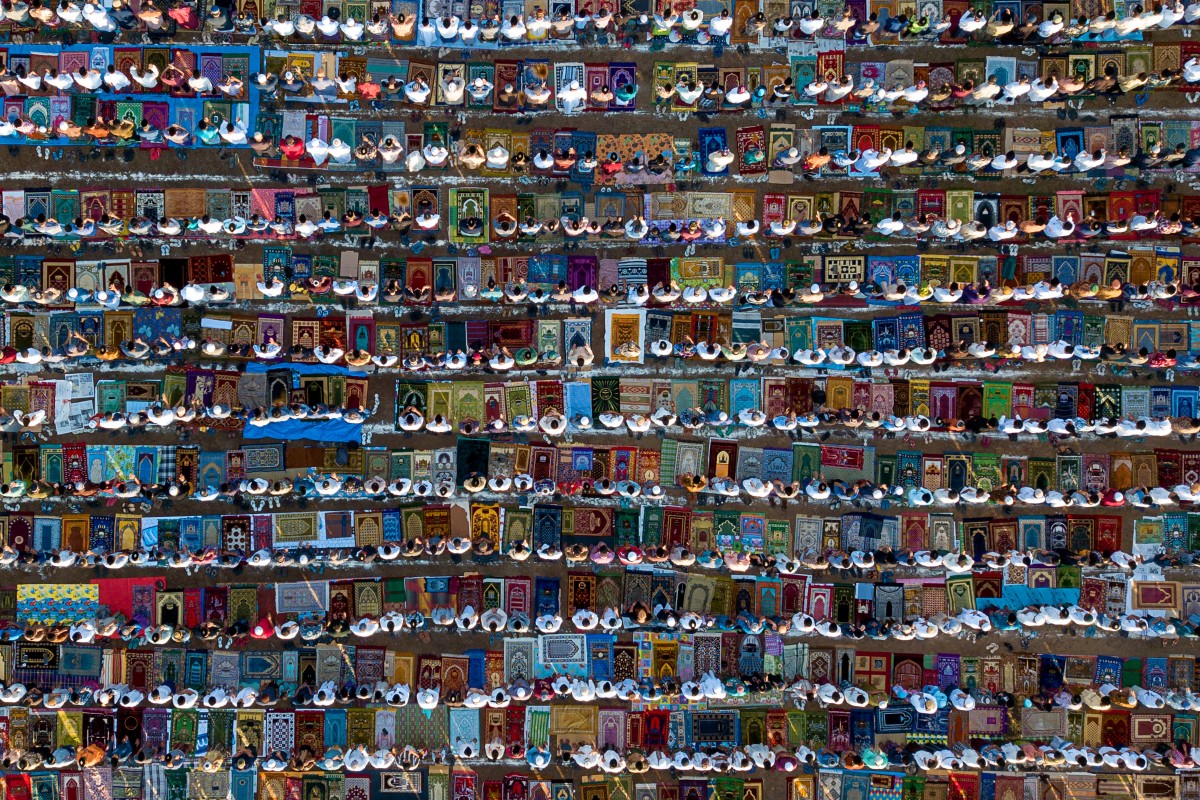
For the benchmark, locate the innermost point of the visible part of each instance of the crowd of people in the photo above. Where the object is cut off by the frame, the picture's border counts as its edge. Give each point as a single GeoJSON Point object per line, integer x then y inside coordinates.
{"type": "Point", "coordinates": [667, 294]}
{"type": "Point", "coordinates": [427, 224]}
{"type": "Point", "coordinates": [691, 27]}
{"type": "Point", "coordinates": [688, 92]}
{"type": "Point", "coordinates": [863, 493]}
{"type": "Point", "coordinates": [612, 620]}
{"type": "Point", "coordinates": [435, 155]}
{"type": "Point", "coordinates": [730, 759]}
{"type": "Point", "coordinates": [1033, 587]}
{"type": "Point", "coordinates": [498, 358]}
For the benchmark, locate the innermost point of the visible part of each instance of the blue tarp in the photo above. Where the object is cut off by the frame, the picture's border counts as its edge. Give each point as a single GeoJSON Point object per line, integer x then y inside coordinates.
{"type": "Point", "coordinates": [1018, 597]}
{"type": "Point", "coordinates": [185, 109]}
{"type": "Point", "coordinates": [330, 430]}
{"type": "Point", "coordinates": [304, 369]}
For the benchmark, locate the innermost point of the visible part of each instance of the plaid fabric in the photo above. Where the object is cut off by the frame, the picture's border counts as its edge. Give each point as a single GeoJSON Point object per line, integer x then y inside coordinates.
{"type": "Point", "coordinates": [166, 463]}
{"type": "Point", "coordinates": [154, 786]}
{"type": "Point", "coordinates": [56, 680]}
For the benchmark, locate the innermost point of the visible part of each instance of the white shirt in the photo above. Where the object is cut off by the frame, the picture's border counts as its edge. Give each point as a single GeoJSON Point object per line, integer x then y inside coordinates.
{"type": "Point", "coordinates": [99, 18]}
{"type": "Point", "coordinates": [573, 97]}
{"type": "Point", "coordinates": [89, 82]}
{"type": "Point", "coordinates": [149, 80]}
{"type": "Point", "coordinates": [453, 90]}
{"type": "Point", "coordinates": [71, 13]}
{"type": "Point", "coordinates": [317, 149]}
{"type": "Point", "coordinates": [59, 82]}
{"type": "Point", "coordinates": [417, 92]}
{"type": "Point", "coordinates": [116, 80]}
{"type": "Point", "coordinates": [236, 136]}
{"type": "Point", "coordinates": [339, 151]}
